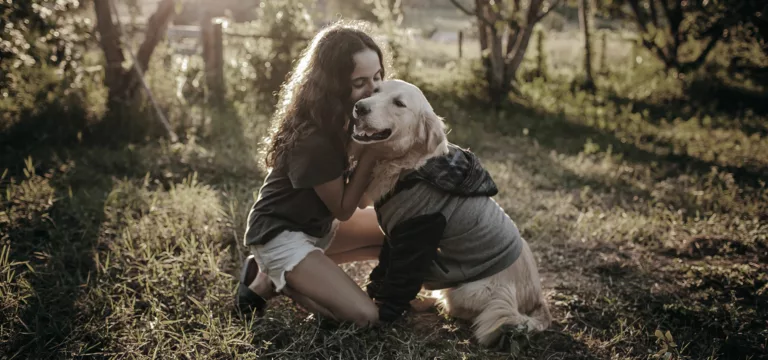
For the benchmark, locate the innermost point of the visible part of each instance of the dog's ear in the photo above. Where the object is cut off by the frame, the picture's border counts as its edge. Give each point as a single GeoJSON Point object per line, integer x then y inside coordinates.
{"type": "Point", "coordinates": [432, 131]}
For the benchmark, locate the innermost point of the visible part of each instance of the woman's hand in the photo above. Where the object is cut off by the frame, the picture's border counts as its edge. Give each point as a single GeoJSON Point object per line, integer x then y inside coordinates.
{"type": "Point", "coordinates": [370, 155]}
{"type": "Point", "coordinates": [354, 149]}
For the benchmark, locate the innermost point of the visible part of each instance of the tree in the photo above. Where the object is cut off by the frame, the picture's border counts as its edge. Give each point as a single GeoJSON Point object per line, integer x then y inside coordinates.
{"type": "Point", "coordinates": [665, 26]}
{"type": "Point", "coordinates": [585, 20]}
{"type": "Point", "coordinates": [123, 82]}
{"type": "Point", "coordinates": [505, 29]}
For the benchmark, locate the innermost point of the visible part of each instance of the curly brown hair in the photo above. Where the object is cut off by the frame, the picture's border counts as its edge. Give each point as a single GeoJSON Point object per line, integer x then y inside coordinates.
{"type": "Point", "coordinates": [318, 89]}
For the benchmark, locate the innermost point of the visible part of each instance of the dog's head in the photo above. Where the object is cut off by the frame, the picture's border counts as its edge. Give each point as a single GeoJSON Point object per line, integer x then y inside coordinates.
{"type": "Point", "coordinates": [399, 119]}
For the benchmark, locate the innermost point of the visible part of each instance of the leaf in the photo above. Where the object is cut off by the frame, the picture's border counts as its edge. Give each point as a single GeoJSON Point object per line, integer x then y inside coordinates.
{"type": "Point", "coordinates": [659, 334]}
{"type": "Point", "coordinates": [668, 335]}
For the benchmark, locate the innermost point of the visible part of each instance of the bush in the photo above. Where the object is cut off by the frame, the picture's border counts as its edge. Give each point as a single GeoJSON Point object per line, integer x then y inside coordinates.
{"type": "Point", "coordinates": [41, 33]}
{"type": "Point", "coordinates": [45, 87]}
{"type": "Point", "coordinates": [266, 61]}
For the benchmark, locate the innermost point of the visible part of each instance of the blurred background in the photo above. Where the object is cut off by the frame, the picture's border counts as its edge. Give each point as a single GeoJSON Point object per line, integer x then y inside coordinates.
{"type": "Point", "coordinates": [629, 140]}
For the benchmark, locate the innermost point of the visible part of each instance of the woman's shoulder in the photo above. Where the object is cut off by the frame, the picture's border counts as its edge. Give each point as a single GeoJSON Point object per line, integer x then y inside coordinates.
{"type": "Point", "coordinates": [315, 142]}
{"type": "Point", "coordinates": [311, 136]}
{"type": "Point", "coordinates": [315, 159]}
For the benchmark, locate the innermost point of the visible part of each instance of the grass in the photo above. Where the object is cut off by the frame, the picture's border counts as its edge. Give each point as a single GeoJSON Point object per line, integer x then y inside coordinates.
{"type": "Point", "coordinates": [645, 204]}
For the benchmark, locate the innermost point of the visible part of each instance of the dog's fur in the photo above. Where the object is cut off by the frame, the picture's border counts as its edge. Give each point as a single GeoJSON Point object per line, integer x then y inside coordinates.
{"type": "Point", "coordinates": [511, 297]}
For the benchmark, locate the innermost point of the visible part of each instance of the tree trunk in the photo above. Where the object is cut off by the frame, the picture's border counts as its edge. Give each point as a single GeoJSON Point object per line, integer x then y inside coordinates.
{"type": "Point", "coordinates": [156, 28]}
{"type": "Point", "coordinates": [585, 20]}
{"type": "Point", "coordinates": [519, 53]}
{"type": "Point", "coordinates": [498, 68]}
{"type": "Point", "coordinates": [482, 8]}
{"type": "Point", "coordinates": [109, 39]}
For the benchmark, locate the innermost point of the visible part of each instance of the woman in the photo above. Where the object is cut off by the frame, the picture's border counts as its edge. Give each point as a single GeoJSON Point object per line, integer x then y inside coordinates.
{"type": "Point", "coordinates": [306, 219]}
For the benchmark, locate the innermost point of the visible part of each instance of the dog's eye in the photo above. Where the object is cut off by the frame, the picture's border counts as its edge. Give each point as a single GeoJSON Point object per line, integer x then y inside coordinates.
{"type": "Point", "coordinates": [399, 103]}
{"type": "Point", "coordinates": [376, 90]}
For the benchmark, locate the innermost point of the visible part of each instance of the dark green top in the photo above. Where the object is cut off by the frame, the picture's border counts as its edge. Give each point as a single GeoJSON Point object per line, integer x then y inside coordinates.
{"type": "Point", "coordinates": [287, 199]}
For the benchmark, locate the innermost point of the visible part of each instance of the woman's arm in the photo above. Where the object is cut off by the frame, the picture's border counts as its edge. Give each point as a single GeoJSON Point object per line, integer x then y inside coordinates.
{"type": "Point", "coordinates": [343, 199]}
{"type": "Point", "coordinates": [354, 150]}
{"type": "Point", "coordinates": [365, 201]}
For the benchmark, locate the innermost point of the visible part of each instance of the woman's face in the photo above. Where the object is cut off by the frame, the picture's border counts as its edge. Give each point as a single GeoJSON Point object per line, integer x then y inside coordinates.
{"type": "Point", "coordinates": [366, 76]}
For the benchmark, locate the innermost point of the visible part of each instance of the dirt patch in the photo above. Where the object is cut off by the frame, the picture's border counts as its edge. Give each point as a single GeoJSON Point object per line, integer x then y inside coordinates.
{"type": "Point", "coordinates": [700, 246]}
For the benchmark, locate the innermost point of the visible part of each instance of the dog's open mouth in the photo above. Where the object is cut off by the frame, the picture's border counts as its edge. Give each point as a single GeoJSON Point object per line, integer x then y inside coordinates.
{"type": "Point", "coordinates": [371, 136]}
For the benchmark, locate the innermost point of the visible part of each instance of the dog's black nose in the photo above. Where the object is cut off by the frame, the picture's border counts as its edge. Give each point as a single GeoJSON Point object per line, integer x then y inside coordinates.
{"type": "Point", "coordinates": [362, 109]}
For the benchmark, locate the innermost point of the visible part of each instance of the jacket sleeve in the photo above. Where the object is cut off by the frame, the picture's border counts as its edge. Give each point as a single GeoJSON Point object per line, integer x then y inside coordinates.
{"type": "Point", "coordinates": [379, 272]}
{"type": "Point", "coordinates": [412, 249]}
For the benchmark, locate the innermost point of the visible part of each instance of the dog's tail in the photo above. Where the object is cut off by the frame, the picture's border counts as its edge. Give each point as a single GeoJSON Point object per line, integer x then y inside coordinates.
{"type": "Point", "coordinates": [502, 311]}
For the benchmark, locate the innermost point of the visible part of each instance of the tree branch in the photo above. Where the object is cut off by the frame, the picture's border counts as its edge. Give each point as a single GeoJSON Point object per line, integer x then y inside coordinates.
{"type": "Point", "coordinates": [513, 38]}
{"type": "Point", "coordinates": [639, 18]}
{"type": "Point", "coordinates": [471, 13]}
{"type": "Point", "coordinates": [654, 13]}
{"type": "Point", "coordinates": [156, 26]}
{"type": "Point", "coordinates": [650, 45]}
{"type": "Point", "coordinates": [463, 9]}
{"type": "Point", "coordinates": [544, 14]}
{"type": "Point", "coordinates": [693, 65]}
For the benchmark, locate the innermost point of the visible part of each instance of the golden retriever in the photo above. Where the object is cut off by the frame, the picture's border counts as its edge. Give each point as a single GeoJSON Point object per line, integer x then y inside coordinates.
{"type": "Point", "coordinates": [399, 121]}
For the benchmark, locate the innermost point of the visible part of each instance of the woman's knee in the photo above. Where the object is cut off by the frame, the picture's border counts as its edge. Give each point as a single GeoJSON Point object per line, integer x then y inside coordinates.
{"type": "Point", "coordinates": [363, 315]}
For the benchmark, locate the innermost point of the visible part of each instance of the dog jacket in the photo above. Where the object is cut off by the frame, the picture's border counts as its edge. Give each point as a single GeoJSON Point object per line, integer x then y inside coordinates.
{"type": "Point", "coordinates": [442, 229]}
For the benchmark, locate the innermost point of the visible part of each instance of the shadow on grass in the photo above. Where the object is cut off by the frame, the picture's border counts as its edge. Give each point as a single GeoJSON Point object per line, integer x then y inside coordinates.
{"type": "Point", "coordinates": [708, 309]}
{"type": "Point", "coordinates": [558, 132]}
{"type": "Point", "coordinates": [58, 244]}
{"type": "Point", "coordinates": [60, 241]}
{"type": "Point", "coordinates": [726, 104]}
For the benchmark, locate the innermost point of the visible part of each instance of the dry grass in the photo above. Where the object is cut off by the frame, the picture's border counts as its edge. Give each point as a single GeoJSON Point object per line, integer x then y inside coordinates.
{"type": "Point", "coordinates": [644, 213]}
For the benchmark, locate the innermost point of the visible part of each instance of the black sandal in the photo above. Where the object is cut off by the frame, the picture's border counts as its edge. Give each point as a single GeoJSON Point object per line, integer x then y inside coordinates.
{"type": "Point", "coordinates": [246, 301]}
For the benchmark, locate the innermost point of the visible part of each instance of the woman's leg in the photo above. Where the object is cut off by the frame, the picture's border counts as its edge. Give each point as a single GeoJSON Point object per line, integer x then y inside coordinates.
{"type": "Point", "coordinates": [308, 303]}
{"type": "Point", "coordinates": [320, 285]}
{"type": "Point", "coordinates": [262, 286]}
{"type": "Point", "coordinates": [360, 254]}
{"type": "Point", "coordinates": [357, 239]}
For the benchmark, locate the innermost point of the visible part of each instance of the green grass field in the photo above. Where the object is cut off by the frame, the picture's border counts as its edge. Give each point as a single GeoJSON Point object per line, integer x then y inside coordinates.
{"type": "Point", "coordinates": [646, 206]}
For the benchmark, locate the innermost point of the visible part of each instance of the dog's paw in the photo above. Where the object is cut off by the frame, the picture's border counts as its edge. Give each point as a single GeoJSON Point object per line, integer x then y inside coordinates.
{"type": "Point", "coordinates": [423, 304]}
{"type": "Point", "coordinates": [513, 339]}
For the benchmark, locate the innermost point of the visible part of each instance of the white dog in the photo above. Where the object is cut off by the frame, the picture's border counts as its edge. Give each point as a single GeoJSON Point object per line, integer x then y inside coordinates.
{"type": "Point", "coordinates": [444, 231]}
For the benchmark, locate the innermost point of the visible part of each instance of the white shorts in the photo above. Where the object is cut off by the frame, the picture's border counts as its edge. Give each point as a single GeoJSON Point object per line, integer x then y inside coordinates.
{"type": "Point", "coordinates": [286, 250]}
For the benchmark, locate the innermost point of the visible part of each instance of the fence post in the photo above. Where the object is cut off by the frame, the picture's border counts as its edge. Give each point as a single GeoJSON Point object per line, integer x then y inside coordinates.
{"type": "Point", "coordinates": [218, 54]}
{"type": "Point", "coordinates": [213, 56]}
{"type": "Point", "coordinates": [461, 40]}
